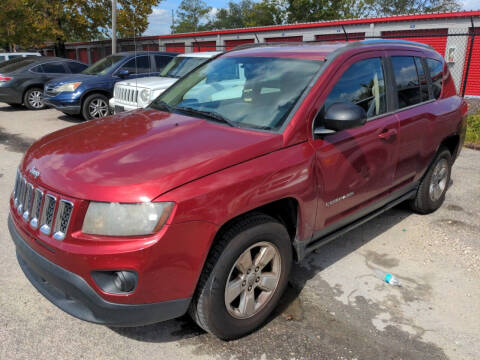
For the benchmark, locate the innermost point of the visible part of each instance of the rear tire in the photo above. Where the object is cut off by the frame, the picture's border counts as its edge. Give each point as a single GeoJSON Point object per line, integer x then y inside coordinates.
{"type": "Point", "coordinates": [95, 106]}
{"type": "Point", "coordinates": [433, 187]}
{"type": "Point", "coordinates": [33, 99]}
{"type": "Point", "coordinates": [234, 295]}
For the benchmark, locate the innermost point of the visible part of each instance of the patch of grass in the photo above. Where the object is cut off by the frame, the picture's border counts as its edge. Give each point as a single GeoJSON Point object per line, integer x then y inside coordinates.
{"type": "Point", "coordinates": [472, 139]}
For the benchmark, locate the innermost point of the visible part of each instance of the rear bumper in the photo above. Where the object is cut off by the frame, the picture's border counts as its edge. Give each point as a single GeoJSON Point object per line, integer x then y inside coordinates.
{"type": "Point", "coordinates": [73, 294]}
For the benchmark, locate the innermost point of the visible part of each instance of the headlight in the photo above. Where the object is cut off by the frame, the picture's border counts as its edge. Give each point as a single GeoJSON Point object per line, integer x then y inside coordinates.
{"type": "Point", "coordinates": [145, 95]}
{"type": "Point", "coordinates": [68, 87]}
{"type": "Point", "coordinates": [116, 219]}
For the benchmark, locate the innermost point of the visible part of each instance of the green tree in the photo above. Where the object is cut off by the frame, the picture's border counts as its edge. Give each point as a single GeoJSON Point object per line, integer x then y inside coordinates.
{"type": "Point", "coordinates": [34, 22]}
{"type": "Point", "coordinates": [191, 16]}
{"type": "Point", "coordinates": [398, 7]}
{"type": "Point", "coordinates": [318, 10]}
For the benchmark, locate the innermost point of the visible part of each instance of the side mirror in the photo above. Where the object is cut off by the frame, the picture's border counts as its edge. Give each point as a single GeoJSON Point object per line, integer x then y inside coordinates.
{"type": "Point", "coordinates": [123, 73]}
{"type": "Point", "coordinates": [341, 116]}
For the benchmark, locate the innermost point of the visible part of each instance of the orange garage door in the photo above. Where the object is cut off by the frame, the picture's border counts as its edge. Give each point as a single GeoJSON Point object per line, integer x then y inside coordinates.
{"type": "Point", "coordinates": [175, 47]}
{"type": "Point", "coordinates": [436, 38]}
{"type": "Point", "coordinates": [230, 44]}
{"type": "Point", "coordinates": [285, 39]}
{"type": "Point", "coordinates": [83, 55]}
{"type": "Point", "coordinates": [340, 37]}
{"type": "Point", "coordinates": [202, 46]}
{"type": "Point", "coordinates": [473, 80]}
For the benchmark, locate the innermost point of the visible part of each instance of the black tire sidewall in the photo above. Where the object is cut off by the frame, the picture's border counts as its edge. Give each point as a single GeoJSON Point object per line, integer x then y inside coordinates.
{"type": "Point", "coordinates": [220, 321]}
{"type": "Point", "coordinates": [86, 105]}
{"type": "Point", "coordinates": [25, 99]}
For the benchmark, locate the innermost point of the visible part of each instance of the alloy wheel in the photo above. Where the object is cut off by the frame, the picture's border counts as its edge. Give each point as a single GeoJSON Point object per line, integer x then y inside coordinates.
{"type": "Point", "coordinates": [35, 99]}
{"type": "Point", "coordinates": [253, 279]}
{"type": "Point", "coordinates": [98, 108]}
{"type": "Point", "coordinates": [439, 179]}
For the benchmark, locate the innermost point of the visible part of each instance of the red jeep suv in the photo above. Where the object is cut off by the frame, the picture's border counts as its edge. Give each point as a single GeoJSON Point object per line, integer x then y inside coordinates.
{"type": "Point", "coordinates": [201, 202]}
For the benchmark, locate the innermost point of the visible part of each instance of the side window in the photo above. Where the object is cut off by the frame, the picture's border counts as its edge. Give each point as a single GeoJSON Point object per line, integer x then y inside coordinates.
{"type": "Point", "coordinates": [423, 79]}
{"type": "Point", "coordinates": [37, 69]}
{"type": "Point", "coordinates": [362, 84]}
{"type": "Point", "coordinates": [406, 79]}
{"type": "Point", "coordinates": [138, 65]}
{"type": "Point", "coordinates": [54, 68]}
{"type": "Point", "coordinates": [75, 67]}
{"type": "Point", "coordinates": [3, 58]}
{"type": "Point", "coordinates": [161, 61]}
{"type": "Point", "coordinates": [435, 68]}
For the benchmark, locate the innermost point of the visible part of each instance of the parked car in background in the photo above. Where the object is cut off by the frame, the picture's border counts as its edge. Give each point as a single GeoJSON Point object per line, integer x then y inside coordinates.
{"type": "Point", "coordinates": [139, 93]}
{"type": "Point", "coordinates": [201, 202]}
{"type": "Point", "coordinates": [15, 55]}
{"type": "Point", "coordinates": [22, 80]}
{"type": "Point", "coordinates": [87, 94]}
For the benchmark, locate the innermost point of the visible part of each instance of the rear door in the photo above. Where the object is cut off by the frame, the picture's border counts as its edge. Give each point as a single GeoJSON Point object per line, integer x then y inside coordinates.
{"type": "Point", "coordinates": [412, 94]}
{"type": "Point", "coordinates": [356, 167]}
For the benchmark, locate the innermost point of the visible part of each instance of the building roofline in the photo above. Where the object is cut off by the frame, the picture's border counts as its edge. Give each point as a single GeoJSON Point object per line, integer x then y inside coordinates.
{"type": "Point", "coordinates": [309, 25]}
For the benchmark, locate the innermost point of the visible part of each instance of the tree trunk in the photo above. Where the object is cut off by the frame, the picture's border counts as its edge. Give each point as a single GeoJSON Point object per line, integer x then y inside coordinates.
{"type": "Point", "coordinates": [60, 50]}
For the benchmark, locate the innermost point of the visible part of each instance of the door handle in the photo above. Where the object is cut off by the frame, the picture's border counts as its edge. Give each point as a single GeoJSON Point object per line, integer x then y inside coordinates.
{"type": "Point", "coordinates": [388, 134]}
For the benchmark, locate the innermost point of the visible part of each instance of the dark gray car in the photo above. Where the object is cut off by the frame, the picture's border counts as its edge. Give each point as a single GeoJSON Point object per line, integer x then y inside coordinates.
{"type": "Point", "coordinates": [22, 80]}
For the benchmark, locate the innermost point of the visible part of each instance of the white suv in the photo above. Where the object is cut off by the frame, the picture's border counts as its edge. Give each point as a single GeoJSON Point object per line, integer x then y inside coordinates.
{"type": "Point", "coordinates": [10, 56]}
{"type": "Point", "coordinates": [139, 93]}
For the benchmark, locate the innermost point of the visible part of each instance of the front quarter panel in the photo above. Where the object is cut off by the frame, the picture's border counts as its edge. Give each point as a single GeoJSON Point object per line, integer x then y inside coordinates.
{"type": "Point", "coordinates": [220, 197]}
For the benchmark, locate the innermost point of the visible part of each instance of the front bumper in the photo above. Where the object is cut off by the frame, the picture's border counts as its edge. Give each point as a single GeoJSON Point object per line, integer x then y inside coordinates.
{"type": "Point", "coordinates": [75, 296]}
{"type": "Point", "coordinates": [119, 107]}
{"type": "Point", "coordinates": [67, 108]}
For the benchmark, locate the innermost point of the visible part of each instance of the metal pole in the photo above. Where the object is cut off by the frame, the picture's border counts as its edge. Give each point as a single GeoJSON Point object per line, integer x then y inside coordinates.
{"type": "Point", "coordinates": [472, 39]}
{"type": "Point", "coordinates": [114, 26]}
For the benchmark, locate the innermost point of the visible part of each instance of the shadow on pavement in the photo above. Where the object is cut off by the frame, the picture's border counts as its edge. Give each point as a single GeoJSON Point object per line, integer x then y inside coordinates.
{"type": "Point", "coordinates": [306, 329]}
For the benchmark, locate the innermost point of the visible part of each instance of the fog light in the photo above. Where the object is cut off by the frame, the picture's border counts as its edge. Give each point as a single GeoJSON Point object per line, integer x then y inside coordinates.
{"type": "Point", "coordinates": [124, 280]}
{"type": "Point", "coordinates": [116, 282]}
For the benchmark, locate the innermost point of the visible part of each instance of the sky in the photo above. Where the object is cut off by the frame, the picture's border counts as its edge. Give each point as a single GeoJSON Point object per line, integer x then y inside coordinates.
{"type": "Point", "coordinates": [161, 18]}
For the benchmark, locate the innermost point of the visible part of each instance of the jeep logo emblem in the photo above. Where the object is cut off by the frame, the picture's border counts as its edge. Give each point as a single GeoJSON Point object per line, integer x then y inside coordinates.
{"type": "Point", "coordinates": [34, 172]}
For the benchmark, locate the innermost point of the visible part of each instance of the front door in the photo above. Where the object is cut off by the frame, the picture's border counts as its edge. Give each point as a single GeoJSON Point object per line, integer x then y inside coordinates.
{"type": "Point", "coordinates": [356, 167]}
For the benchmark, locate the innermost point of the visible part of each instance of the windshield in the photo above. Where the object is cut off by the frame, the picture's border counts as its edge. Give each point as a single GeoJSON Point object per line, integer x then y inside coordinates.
{"type": "Point", "coordinates": [256, 92]}
{"type": "Point", "coordinates": [14, 64]}
{"type": "Point", "coordinates": [181, 65]}
{"type": "Point", "coordinates": [103, 66]}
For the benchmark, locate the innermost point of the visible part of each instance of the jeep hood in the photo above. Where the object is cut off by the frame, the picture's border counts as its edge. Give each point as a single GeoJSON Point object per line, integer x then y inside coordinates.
{"type": "Point", "coordinates": [153, 83]}
{"type": "Point", "coordinates": [139, 155]}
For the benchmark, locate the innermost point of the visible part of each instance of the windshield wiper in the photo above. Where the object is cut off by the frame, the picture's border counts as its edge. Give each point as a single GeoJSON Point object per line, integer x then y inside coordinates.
{"type": "Point", "coordinates": [209, 114]}
{"type": "Point", "coordinates": [162, 105]}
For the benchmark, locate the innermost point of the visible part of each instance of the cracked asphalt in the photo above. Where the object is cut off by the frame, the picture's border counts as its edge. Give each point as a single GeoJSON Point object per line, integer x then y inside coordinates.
{"type": "Point", "coordinates": [334, 308]}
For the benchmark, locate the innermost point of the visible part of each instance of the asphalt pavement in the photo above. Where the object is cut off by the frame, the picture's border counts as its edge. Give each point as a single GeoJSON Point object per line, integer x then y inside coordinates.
{"type": "Point", "coordinates": [334, 308]}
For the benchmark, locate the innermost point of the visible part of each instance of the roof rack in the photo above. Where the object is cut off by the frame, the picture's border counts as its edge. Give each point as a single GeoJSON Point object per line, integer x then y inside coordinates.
{"type": "Point", "coordinates": [350, 44]}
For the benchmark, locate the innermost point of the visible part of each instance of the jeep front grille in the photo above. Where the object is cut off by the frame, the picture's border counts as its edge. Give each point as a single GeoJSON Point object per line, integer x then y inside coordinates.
{"type": "Point", "coordinates": [126, 95]}
{"type": "Point", "coordinates": [64, 213]}
{"type": "Point", "coordinates": [38, 208]}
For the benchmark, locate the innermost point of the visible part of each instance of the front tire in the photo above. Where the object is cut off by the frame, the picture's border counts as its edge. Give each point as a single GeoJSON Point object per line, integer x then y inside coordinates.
{"type": "Point", "coordinates": [33, 99]}
{"type": "Point", "coordinates": [433, 187]}
{"type": "Point", "coordinates": [95, 106]}
{"type": "Point", "coordinates": [243, 278]}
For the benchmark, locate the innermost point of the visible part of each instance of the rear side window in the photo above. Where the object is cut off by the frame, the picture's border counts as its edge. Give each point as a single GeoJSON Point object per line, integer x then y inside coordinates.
{"type": "Point", "coordinates": [161, 61]}
{"type": "Point", "coordinates": [362, 84]}
{"type": "Point", "coordinates": [75, 67]}
{"type": "Point", "coordinates": [406, 80]}
{"type": "Point", "coordinates": [138, 65]}
{"type": "Point", "coordinates": [53, 68]}
{"type": "Point", "coordinates": [37, 69]}
{"type": "Point", "coordinates": [435, 68]}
